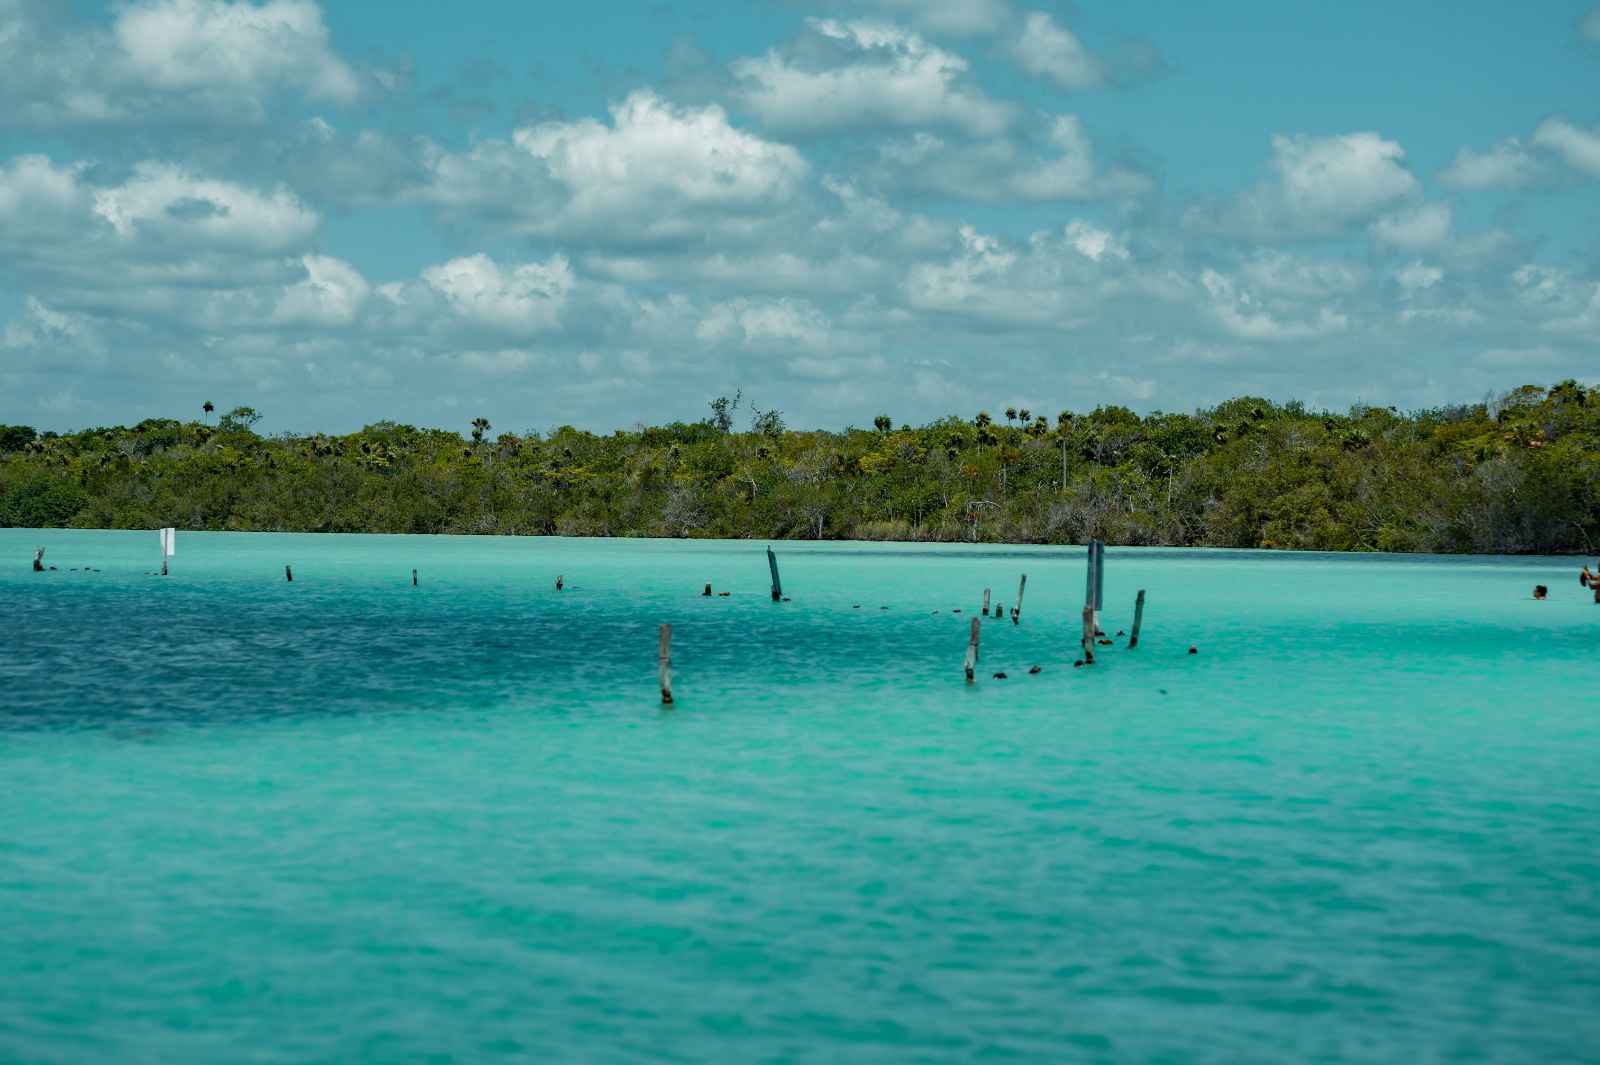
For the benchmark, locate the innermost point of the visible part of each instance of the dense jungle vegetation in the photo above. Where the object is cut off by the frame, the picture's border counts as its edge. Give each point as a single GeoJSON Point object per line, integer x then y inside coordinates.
{"type": "Point", "coordinates": [1520, 473]}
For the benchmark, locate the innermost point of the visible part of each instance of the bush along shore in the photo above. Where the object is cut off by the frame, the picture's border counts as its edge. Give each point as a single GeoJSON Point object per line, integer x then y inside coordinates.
{"type": "Point", "coordinates": [1515, 474]}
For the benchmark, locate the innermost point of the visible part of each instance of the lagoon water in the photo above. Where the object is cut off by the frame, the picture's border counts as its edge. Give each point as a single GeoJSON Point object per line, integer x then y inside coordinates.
{"type": "Point", "coordinates": [348, 820]}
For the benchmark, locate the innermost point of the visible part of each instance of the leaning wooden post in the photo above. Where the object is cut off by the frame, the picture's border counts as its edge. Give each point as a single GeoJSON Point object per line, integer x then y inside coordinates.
{"type": "Point", "coordinates": [38, 560]}
{"type": "Point", "coordinates": [1138, 620]}
{"type": "Point", "coordinates": [985, 611]}
{"type": "Point", "coordinates": [1016, 611]}
{"type": "Point", "coordinates": [1088, 635]}
{"type": "Point", "coordinates": [288, 574]}
{"type": "Point", "coordinates": [972, 650]}
{"type": "Point", "coordinates": [666, 664]}
{"type": "Point", "coordinates": [777, 585]}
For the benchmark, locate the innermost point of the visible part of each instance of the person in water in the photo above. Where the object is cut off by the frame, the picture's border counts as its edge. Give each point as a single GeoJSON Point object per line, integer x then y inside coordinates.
{"type": "Point", "coordinates": [1540, 591]}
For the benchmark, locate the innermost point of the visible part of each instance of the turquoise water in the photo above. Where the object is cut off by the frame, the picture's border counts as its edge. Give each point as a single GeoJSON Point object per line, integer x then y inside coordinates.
{"type": "Point", "coordinates": [349, 820]}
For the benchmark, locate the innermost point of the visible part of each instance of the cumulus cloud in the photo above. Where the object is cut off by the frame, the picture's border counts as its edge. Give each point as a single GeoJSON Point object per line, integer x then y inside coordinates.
{"type": "Point", "coordinates": [1577, 146]}
{"type": "Point", "coordinates": [784, 324]}
{"type": "Point", "coordinates": [332, 294]}
{"type": "Point", "coordinates": [219, 59]}
{"type": "Point", "coordinates": [164, 200]}
{"type": "Point", "coordinates": [1048, 50]}
{"type": "Point", "coordinates": [1058, 164]}
{"type": "Point", "coordinates": [1245, 314]}
{"type": "Point", "coordinates": [1507, 165]}
{"type": "Point", "coordinates": [1415, 229]}
{"type": "Point", "coordinates": [853, 75]}
{"type": "Point", "coordinates": [201, 44]}
{"type": "Point", "coordinates": [1320, 186]}
{"type": "Point", "coordinates": [959, 17]}
{"type": "Point", "coordinates": [652, 149]}
{"type": "Point", "coordinates": [524, 298]}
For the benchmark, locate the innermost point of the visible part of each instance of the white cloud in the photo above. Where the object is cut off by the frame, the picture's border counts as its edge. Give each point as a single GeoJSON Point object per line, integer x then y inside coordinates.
{"type": "Point", "coordinates": [1508, 165]}
{"type": "Point", "coordinates": [1094, 243]}
{"type": "Point", "coordinates": [960, 17]}
{"type": "Point", "coordinates": [1321, 185]}
{"type": "Point", "coordinates": [32, 183]}
{"type": "Point", "coordinates": [201, 44]}
{"type": "Point", "coordinates": [654, 157]}
{"type": "Point", "coordinates": [1289, 275]}
{"type": "Point", "coordinates": [1061, 166]}
{"type": "Point", "coordinates": [1418, 275]}
{"type": "Point", "coordinates": [1047, 50]}
{"type": "Point", "coordinates": [1416, 228]}
{"type": "Point", "coordinates": [1242, 313]}
{"type": "Point", "coordinates": [525, 298]}
{"type": "Point", "coordinates": [1052, 280]}
{"type": "Point", "coordinates": [866, 74]}
{"type": "Point", "coordinates": [1580, 147]}
{"type": "Point", "coordinates": [331, 295]}
{"type": "Point", "coordinates": [782, 324]}
{"type": "Point", "coordinates": [166, 201]}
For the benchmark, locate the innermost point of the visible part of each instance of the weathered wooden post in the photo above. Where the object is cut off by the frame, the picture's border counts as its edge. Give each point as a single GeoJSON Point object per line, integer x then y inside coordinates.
{"type": "Point", "coordinates": [1138, 620]}
{"type": "Point", "coordinates": [777, 585]}
{"type": "Point", "coordinates": [707, 592]}
{"type": "Point", "coordinates": [972, 650]}
{"type": "Point", "coordinates": [561, 581]}
{"type": "Point", "coordinates": [288, 574]}
{"type": "Point", "coordinates": [1099, 581]}
{"type": "Point", "coordinates": [413, 578]}
{"type": "Point", "coordinates": [1016, 611]}
{"type": "Point", "coordinates": [1088, 635]}
{"type": "Point", "coordinates": [38, 560]}
{"type": "Point", "coordinates": [985, 610]}
{"type": "Point", "coordinates": [666, 664]}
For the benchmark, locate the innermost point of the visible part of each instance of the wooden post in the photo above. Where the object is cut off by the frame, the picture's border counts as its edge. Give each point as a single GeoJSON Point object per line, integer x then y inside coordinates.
{"type": "Point", "coordinates": [1016, 611]}
{"type": "Point", "coordinates": [288, 574]}
{"type": "Point", "coordinates": [666, 664]}
{"type": "Point", "coordinates": [777, 585]}
{"type": "Point", "coordinates": [1099, 580]}
{"type": "Point", "coordinates": [985, 610]}
{"type": "Point", "coordinates": [1138, 620]}
{"type": "Point", "coordinates": [1088, 635]}
{"type": "Point", "coordinates": [38, 560]}
{"type": "Point", "coordinates": [1088, 585]}
{"type": "Point", "coordinates": [972, 650]}
{"type": "Point", "coordinates": [413, 578]}
{"type": "Point", "coordinates": [707, 592]}
{"type": "Point", "coordinates": [561, 581]}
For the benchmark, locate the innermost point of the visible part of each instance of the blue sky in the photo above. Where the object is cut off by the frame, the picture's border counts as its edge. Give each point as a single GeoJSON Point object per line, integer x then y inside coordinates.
{"type": "Point", "coordinates": [608, 213]}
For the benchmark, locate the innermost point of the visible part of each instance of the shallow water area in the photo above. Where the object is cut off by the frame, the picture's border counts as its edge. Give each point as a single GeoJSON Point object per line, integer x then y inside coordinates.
{"type": "Point", "coordinates": [348, 819]}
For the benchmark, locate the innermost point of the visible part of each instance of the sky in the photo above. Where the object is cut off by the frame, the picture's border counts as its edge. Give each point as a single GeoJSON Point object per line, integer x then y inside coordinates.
{"type": "Point", "coordinates": [608, 213]}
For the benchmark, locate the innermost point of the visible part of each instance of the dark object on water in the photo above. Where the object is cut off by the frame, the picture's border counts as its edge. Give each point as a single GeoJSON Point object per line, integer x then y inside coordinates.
{"type": "Point", "coordinates": [1194, 650]}
{"type": "Point", "coordinates": [957, 610]}
{"type": "Point", "coordinates": [777, 583]}
{"type": "Point", "coordinates": [560, 582]}
{"type": "Point", "coordinates": [999, 676]}
{"type": "Point", "coordinates": [856, 607]}
{"type": "Point", "coordinates": [1078, 664]}
{"type": "Point", "coordinates": [1163, 691]}
{"type": "Point", "coordinates": [413, 578]}
{"type": "Point", "coordinates": [1105, 643]}
{"type": "Point", "coordinates": [1122, 632]}
{"type": "Point", "coordinates": [664, 661]}
{"type": "Point", "coordinates": [38, 560]}
{"type": "Point", "coordinates": [785, 599]}
{"type": "Point", "coordinates": [288, 574]}
{"type": "Point", "coordinates": [707, 592]}
{"type": "Point", "coordinates": [1034, 671]}
{"type": "Point", "coordinates": [723, 595]}
{"type": "Point", "coordinates": [1540, 591]}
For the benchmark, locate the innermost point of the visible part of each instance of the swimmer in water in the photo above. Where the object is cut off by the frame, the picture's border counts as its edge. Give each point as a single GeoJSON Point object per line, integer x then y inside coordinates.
{"type": "Point", "coordinates": [1540, 591]}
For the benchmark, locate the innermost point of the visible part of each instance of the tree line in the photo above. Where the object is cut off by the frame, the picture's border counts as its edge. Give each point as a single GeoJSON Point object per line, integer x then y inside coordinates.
{"type": "Point", "coordinates": [1518, 473]}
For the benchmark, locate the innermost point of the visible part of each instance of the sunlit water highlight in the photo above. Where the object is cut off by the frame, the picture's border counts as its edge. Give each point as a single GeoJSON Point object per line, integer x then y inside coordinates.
{"type": "Point", "coordinates": [348, 820]}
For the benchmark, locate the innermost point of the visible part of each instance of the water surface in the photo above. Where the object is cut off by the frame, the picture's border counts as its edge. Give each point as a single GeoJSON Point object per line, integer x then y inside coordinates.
{"type": "Point", "coordinates": [347, 819]}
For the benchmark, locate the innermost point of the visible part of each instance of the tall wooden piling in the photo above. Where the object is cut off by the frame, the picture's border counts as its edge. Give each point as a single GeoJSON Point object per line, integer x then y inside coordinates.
{"type": "Point", "coordinates": [1016, 611]}
{"type": "Point", "coordinates": [777, 585]}
{"type": "Point", "coordinates": [38, 560]}
{"type": "Point", "coordinates": [1138, 620]}
{"type": "Point", "coordinates": [288, 574]}
{"type": "Point", "coordinates": [985, 610]}
{"type": "Point", "coordinates": [666, 664]}
{"type": "Point", "coordinates": [1088, 635]}
{"type": "Point", "coordinates": [971, 664]}
{"type": "Point", "coordinates": [413, 578]}
{"type": "Point", "coordinates": [1099, 579]}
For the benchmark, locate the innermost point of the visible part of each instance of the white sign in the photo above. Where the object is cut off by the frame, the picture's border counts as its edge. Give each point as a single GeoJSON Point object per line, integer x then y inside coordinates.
{"type": "Point", "coordinates": [169, 542]}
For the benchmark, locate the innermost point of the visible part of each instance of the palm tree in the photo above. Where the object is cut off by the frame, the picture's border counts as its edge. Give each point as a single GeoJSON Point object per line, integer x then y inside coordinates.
{"type": "Point", "coordinates": [208, 407]}
{"type": "Point", "coordinates": [479, 427]}
{"type": "Point", "coordinates": [883, 423]}
{"type": "Point", "coordinates": [1024, 414]}
{"type": "Point", "coordinates": [1011, 414]}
